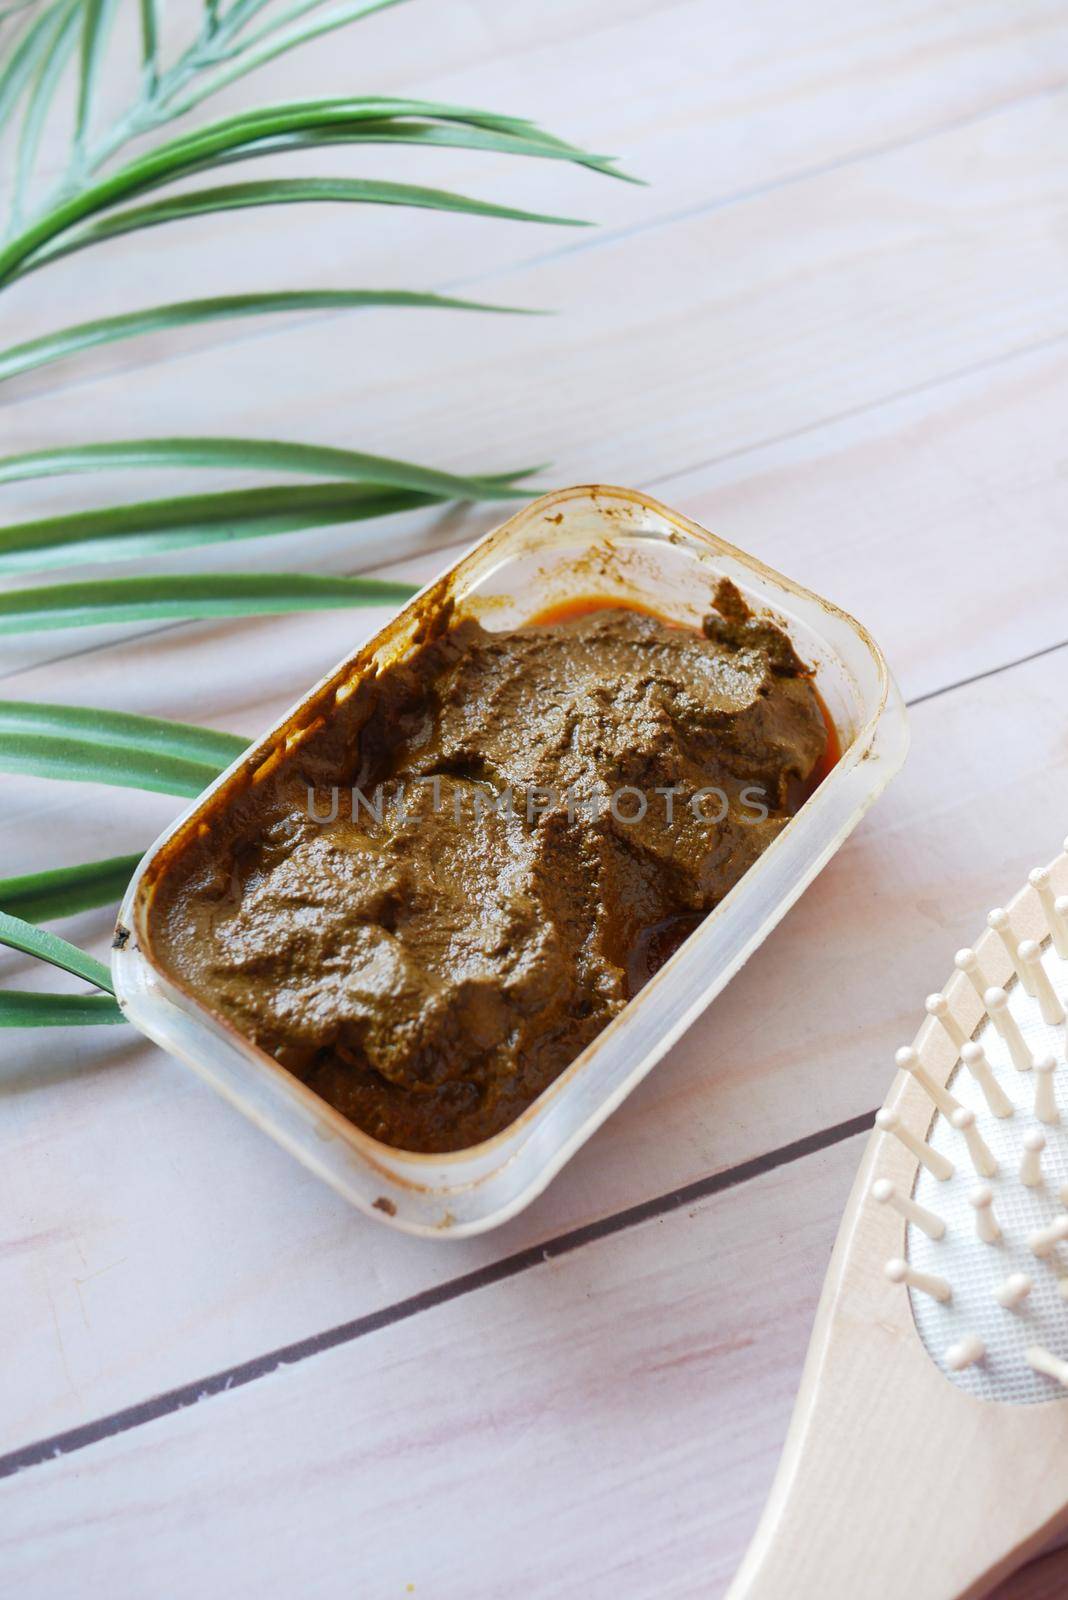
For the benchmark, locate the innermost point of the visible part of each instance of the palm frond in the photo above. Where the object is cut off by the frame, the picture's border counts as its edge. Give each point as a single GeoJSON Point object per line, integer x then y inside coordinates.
{"type": "Point", "coordinates": [255, 51]}
{"type": "Point", "coordinates": [149, 47]}
{"type": "Point", "coordinates": [20, 935]}
{"type": "Point", "coordinates": [62, 891]}
{"type": "Point", "coordinates": [184, 313]}
{"type": "Point", "coordinates": [275, 192]}
{"type": "Point", "coordinates": [122, 729]}
{"type": "Point", "coordinates": [19, 1008]}
{"type": "Point", "coordinates": [151, 527]}
{"type": "Point", "coordinates": [97, 17]}
{"type": "Point", "coordinates": [26, 57]}
{"type": "Point", "coordinates": [65, 34]}
{"type": "Point", "coordinates": [267, 455]}
{"type": "Point", "coordinates": [230, 594]}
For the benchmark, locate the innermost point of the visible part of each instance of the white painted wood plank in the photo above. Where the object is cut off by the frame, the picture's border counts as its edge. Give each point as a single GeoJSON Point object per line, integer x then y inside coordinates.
{"type": "Point", "coordinates": [728, 330]}
{"type": "Point", "coordinates": [153, 1236]}
{"type": "Point", "coordinates": [604, 1424]}
{"type": "Point", "coordinates": [705, 102]}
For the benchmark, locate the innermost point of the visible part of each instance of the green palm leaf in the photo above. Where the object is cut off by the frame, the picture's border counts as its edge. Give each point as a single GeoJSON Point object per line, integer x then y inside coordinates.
{"type": "Point", "coordinates": [266, 455]}
{"type": "Point", "coordinates": [86, 745]}
{"type": "Point", "coordinates": [74, 760]}
{"type": "Point", "coordinates": [275, 44]}
{"type": "Point", "coordinates": [119, 730]}
{"type": "Point", "coordinates": [62, 891]}
{"type": "Point", "coordinates": [21, 1009]}
{"type": "Point", "coordinates": [65, 34]}
{"type": "Point", "coordinates": [149, 527]}
{"type": "Point", "coordinates": [232, 594]}
{"type": "Point", "coordinates": [87, 335]}
{"type": "Point", "coordinates": [427, 134]}
{"type": "Point", "coordinates": [324, 121]}
{"type": "Point", "coordinates": [20, 935]}
{"type": "Point", "coordinates": [149, 46]}
{"type": "Point", "coordinates": [277, 192]}
{"type": "Point", "coordinates": [26, 57]}
{"type": "Point", "coordinates": [96, 23]}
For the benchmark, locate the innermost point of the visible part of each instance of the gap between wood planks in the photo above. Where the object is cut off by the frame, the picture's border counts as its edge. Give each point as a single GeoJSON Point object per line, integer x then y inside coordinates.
{"type": "Point", "coordinates": [235, 1377]}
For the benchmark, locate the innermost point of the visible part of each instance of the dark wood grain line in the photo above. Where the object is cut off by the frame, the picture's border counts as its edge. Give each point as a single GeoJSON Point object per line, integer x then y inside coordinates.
{"type": "Point", "coordinates": [261, 1366]}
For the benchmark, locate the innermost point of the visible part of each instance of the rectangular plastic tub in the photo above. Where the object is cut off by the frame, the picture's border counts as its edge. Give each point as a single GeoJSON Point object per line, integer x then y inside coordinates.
{"type": "Point", "coordinates": [575, 543]}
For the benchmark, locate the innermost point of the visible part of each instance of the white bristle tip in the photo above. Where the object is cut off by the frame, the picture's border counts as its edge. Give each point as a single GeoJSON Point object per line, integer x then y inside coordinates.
{"type": "Point", "coordinates": [998, 918]}
{"type": "Point", "coordinates": [1042, 1242]}
{"type": "Point", "coordinates": [899, 1271]}
{"type": "Point", "coordinates": [986, 1224]}
{"type": "Point", "coordinates": [1045, 1066]}
{"type": "Point", "coordinates": [1034, 1143]}
{"type": "Point", "coordinates": [1041, 988]}
{"type": "Point", "coordinates": [965, 1353]}
{"type": "Point", "coordinates": [981, 1154]}
{"type": "Point", "coordinates": [1049, 1365]}
{"type": "Point", "coordinates": [937, 1006]}
{"type": "Point", "coordinates": [1014, 1290]}
{"type": "Point", "coordinates": [940, 1166]}
{"type": "Point", "coordinates": [885, 1193]}
{"type": "Point", "coordinates": [974, 1057]}
{"type": "Point", "coordinates": [997, 1004]}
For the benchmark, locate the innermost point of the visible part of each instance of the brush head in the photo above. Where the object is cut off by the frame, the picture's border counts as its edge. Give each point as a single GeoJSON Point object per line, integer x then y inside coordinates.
{"type": "Point", "coordinates": [1003, 1253]}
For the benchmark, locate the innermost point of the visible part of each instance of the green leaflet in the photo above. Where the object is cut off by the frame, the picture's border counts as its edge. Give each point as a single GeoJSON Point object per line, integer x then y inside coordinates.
{"type": "Point", "coordinates": [25, 59]}
{"type": "Point", "coordinates": [274, 192]}
{"type": "Point", "coordinates": [42, 93]}
{"type": "Point", "coordinates": [86, 745]}
{"type": "Point", "coordinates": [96, 23]}
{"type": "Point", "coordinates": [264, 455]}
{"type": "Point", "coordinates": [122, 730]}
{"type": "Point", "coordinates": [42, 755]}
{"type": "Point", "coordinates": [62, 891]}
{"type": "Point", "coordinates": [87, 335]}
{"type": "Point", "coordinates": [20, 1009]}
{"type": "Point", "coordinates": [18, 934]}
{"type": "Point", "coordinates": [118, 533]}
{"type": "Point", "coordinates": [232, 594]}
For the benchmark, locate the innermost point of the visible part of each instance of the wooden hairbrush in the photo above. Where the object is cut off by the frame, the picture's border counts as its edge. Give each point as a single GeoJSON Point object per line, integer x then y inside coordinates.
{"type": "Point", "coordinates": [927, 1456]}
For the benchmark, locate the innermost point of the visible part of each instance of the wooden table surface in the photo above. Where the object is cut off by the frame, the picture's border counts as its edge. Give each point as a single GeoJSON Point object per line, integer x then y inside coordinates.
{"type": "Point", "coordinates": [834, 328]}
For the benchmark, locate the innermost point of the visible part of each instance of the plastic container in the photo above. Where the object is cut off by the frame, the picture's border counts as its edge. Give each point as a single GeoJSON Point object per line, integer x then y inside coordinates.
{"type": "Point", "coordinates": [577, 542]}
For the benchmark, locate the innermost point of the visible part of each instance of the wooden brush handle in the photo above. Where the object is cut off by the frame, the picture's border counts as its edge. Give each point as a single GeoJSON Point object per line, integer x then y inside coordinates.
{"type": "Point", "coordinates": [895, 1484]}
